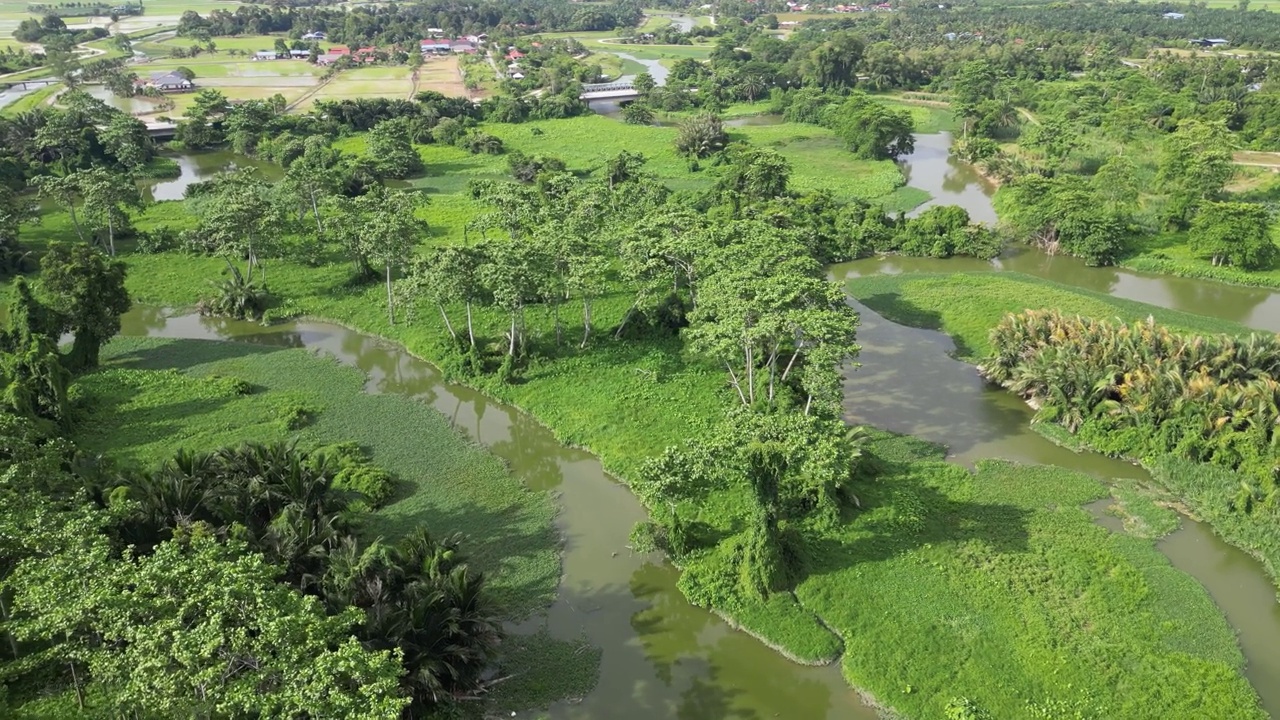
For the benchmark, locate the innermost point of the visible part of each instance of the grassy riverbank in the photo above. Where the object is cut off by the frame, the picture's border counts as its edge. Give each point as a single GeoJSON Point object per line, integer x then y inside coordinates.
{"type": "Point", "coordinates": [928, 586]}
{"type": "Point", "coordinates": [155, 396]}
{"type": "Point", "coordinates": [999, 586]}
{"type": "Point", "coordinates": [967, 305]}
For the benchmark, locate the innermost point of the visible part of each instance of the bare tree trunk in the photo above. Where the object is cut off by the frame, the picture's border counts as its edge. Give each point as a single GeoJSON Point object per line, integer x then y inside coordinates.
{"type": "Point", "coordinates": [511, 347]}
{"type": "Point", "coordinates": [787, 370]}
{"type": "Point", "coordinates": [448, 325]}
{"type": "Point", "coordinates": [736, 385]}
{"type": "Point", "coordinates": [751, 373]}
{"type": "Point", "coordinates": [111, 234]}
{"type": "Point", "coordinates": [391, 307]}
{"type": "Point", "coordinates": [625, 319]}
{"type": "Point", "coordinates": [773, 366]}
{"type": "Point", "coordinates": [75, 680]}
{"type": "Point", "coordinates": [586, 321]}
{"type": "Point", "coordinates": [471, 335]}
{"type": "Point", "coordinates": [315, 209]}
{"type": "Point", "coordinates": [71, 208]}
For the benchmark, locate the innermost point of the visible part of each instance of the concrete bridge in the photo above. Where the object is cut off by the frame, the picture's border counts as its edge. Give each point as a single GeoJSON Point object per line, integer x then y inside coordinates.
{"type": "Point", "coordinates": [162, 130]}
{"type": "Point", "coordinates": [623, 90]}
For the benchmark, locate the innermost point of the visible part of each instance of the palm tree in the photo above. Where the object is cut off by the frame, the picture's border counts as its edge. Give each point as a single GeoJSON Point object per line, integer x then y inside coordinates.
{"type": "Point", "coordinates": [753, 86]}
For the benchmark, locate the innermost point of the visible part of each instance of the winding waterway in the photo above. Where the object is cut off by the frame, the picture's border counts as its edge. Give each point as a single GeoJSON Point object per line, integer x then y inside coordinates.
{"type": "Point", "coordinates": [661, 656]}
{"type": "Point", "coordinates": [910, 383]}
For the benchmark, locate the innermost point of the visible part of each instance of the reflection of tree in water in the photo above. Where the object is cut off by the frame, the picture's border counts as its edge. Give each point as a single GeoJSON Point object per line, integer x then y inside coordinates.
{"type": "Point", "coordinates": [143, 320]}
{"type": "Point", "coordinates": [668, 626]}
{"type": "Point", "coordinates": [531, 452]}
{"type": "Point", "coordinates": [1230, 302]}
{"type": "Point", "coordinates": [728, 673]}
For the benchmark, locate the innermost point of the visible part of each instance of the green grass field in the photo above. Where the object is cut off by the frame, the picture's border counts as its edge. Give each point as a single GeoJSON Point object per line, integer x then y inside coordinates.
{"type": "Point", "coordinates": [817, 158]}
{"type": "Point", "coordinates": [967, 305]}
{"type": "Point", "coordinates": [154, 396]}
{"type": "Point", "coordinates": [998, 586]}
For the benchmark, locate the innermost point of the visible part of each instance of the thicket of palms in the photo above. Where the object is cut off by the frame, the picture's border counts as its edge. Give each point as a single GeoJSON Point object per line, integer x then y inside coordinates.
{"type": "Point", "coordinates": [418, 594]}
{"type": "Point", "coordinates": [1140, 390]}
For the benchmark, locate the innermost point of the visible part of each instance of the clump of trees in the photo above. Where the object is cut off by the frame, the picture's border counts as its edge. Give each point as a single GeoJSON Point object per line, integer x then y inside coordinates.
{"type": "Point", "coordinates": [1142, 391]}
{"type": "Point", "coordinates": [232, 582]}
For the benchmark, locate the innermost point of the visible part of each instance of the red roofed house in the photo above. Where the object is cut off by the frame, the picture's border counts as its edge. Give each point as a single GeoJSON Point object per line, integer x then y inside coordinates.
{"type": "Point", "coordinates": [364, 54]}
{"type": "Point", "coordinates": [514, 54]}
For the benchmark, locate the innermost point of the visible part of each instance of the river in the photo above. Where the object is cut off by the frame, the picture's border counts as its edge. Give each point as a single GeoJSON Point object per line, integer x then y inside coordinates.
{"type": "Point", "coordinates": [910, 383]}
{"type": "Point", "coordinates": [665, 658]}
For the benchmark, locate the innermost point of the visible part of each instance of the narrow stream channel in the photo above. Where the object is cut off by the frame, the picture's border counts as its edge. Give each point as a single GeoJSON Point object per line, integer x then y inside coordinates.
{"type": "Point", "coordinates": [910, 383]}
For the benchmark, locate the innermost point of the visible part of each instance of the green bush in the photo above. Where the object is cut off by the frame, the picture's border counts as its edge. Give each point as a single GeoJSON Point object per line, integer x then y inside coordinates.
{"type": "Point", "coordinates": [357, 473]}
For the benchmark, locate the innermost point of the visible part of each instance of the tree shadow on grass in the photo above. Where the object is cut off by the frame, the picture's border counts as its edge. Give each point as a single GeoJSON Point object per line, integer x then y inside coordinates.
{"type": "Point", "coordinates": [918, 515]}
{"type": "Point", "coordinates": [894, 308]}
{"type": "Point", "coordinates": [183, 354]}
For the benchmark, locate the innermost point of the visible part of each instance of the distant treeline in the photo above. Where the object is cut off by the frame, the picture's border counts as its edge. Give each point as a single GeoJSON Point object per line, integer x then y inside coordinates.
{"type": "Point", "coordinates": [1129, 29]}
{"type": "Point", "coordinates": [83, 9]}
{"type": "Point", "coordinates": [393, 24]}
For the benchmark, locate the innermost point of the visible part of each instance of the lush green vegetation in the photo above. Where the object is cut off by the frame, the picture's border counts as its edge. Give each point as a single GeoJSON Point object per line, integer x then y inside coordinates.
{"type": "Point", "coordinates": [655, 294]}
{"type": "Point", "coordinates": [1142, 391]}
{"type": "Point", "coordinates": [965, 577]}
{"type": "Point", "coordinates": [310, 563]}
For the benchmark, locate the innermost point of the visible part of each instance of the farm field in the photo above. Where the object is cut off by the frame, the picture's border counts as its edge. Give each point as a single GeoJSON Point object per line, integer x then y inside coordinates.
{"type": "Point", "coordinates": [242, 43]}
{"type": "Point", "coordinates": [392, 82]}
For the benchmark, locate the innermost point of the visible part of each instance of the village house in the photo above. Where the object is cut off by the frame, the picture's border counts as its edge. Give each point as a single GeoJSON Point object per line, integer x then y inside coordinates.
{"type": "Point", "coordinates": [439, 47]}
{"type": "Point", "coordinates": [170, 81]}
{"type": "Point", "coordinates": [514, 54]}
{"type": "Point", "coordinates": [1209, 42]}
{"type": "Point", "coordinates": [365, 54]}
{"type": "Point", "coordinates": [1173, 16]}
{"type": "Point", "coordinates": [462, 46]}
{"type": "Point", "coordinates": [266, 55]}
{"type": "Point", "coordinates": [299, 54]}
{"type": "Point", "coordinates": [335, 52]}
{"type": "Point", "coordinates": [315, 36]}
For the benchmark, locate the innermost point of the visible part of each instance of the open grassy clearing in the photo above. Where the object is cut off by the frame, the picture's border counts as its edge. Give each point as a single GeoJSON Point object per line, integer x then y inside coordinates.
{"type": "Point", "coordinates": [393, 82]}
{"type": "Point", "coordinates": [997, 585]}
{"type": "Point", "coordinates": [967, 305]}
{"type": "Point", "coordinates": [222, 66]}
{"type": "Point", "coordinates": [156, 396]}
{"type": "Point", "coordinates": [443, 76]}
{"type": "Point", "coordinates": [817, 158]}
{"type": "Point", "coordinates": [245, 43]}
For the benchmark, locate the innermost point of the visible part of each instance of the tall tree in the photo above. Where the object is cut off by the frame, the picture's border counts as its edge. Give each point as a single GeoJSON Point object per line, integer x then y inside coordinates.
{"type": "Point", "coordinates": [833, 64]}
{"type": "Point", "coordinates": [1233, 233]}
{"type": "Point", "coordinates": [87, 291]}
{"type": "Point", "coordinates": [388, 232]}
{"type": "Point", "coordinates": [64, 191]}
{"type": "Point", "coordinates": [315, 176]}
{"type": "Point", "coordinates": [106, 196]}
{"type": "Point", "coordinates": [238, 220]}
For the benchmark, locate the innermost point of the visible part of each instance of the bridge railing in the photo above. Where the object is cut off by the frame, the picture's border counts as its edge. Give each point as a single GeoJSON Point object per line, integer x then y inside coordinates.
{"type": "Point", "coordinates": [607, 87]}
